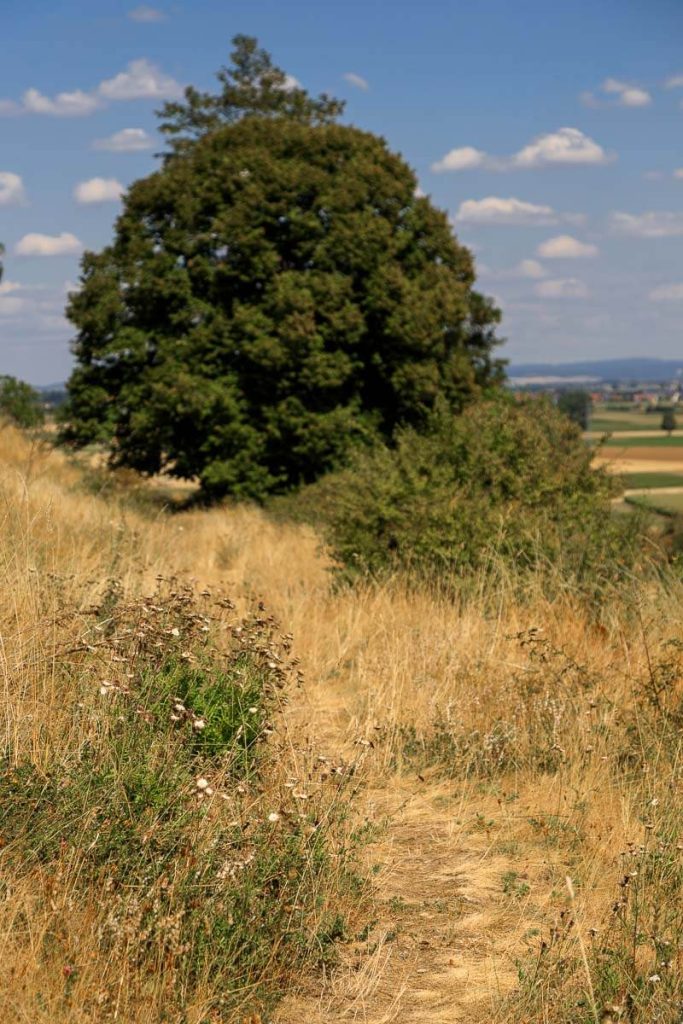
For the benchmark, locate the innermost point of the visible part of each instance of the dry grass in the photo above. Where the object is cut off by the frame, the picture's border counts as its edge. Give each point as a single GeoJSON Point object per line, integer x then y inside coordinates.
{"type": "Point", "coordinates": [504, 747]}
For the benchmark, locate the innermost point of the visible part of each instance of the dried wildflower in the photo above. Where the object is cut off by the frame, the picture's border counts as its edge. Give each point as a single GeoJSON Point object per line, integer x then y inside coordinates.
{"type": "Point", "coordinates": [202, 783]}
{"type": "Point", "coordinates": [199, 724]}
{"type": "Point", "coordinates": [273, 817]}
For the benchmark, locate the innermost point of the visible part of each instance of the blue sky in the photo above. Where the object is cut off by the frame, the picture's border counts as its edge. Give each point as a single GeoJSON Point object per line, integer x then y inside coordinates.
{"type": "Point", "coordinates": [550, 132]}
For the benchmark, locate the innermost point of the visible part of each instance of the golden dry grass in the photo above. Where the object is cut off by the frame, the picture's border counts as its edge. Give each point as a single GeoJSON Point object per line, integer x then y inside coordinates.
{"type": "Point", "coordinates": [468, 858]}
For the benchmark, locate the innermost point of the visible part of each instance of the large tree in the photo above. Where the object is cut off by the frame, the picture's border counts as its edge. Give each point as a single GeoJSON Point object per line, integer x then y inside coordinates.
{"type": "Point", "coordinates": [275, 292]}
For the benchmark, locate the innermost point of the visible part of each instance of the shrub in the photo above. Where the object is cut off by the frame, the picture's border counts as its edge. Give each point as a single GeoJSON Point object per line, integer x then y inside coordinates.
{"type": "Point", "coordinates": [20, 403]}
{"type": "Point", "coordinates": [506, 482]}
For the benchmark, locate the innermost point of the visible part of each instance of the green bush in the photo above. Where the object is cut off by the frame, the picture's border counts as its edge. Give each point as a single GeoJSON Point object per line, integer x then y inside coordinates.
{"type": "Point", "coordinates": [507, 482]}
{"type": "Point", "coordinates": [20, 403]}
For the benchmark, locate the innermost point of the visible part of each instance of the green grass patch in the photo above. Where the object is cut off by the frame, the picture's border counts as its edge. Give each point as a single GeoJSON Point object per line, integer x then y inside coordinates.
{"type": "Point", "coordinates": [653, 479]}
{"type": "Point", "coordinates": [664, 504]}
{"type": "Point", "coordinates": [639, 421]}
{"type": "Point", "coordinates": [663, 441]}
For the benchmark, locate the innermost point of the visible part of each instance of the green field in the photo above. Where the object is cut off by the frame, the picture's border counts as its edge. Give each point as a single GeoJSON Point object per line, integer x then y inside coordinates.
{"type": "Point", "coordinates": [667, 504]}
{"type": "Point", "coordinates": [606, 422]}
{"type": "Point", "coordinates": [663, 441]}
{"type": "Point", "coordinates": [653, 479]}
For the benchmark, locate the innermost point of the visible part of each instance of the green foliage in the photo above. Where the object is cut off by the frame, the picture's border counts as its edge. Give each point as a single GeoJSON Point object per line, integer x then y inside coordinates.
{"type": "Point", "coordinates": [577, 405]}
{"type": "Point", "coordinates": [506, 482]}
{"type": "Point", "coordinates": [20, 403]}
{"type": "Point", "coordinates": [253, 85]}
{"type": "Point", "coordinates": [273, 295]}
{"type": "Point", "coordinates": [669, 421]}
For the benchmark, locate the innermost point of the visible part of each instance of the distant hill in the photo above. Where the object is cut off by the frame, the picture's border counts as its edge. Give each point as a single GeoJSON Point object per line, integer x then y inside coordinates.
{"type": "Point", "coordinates": [638, 369]}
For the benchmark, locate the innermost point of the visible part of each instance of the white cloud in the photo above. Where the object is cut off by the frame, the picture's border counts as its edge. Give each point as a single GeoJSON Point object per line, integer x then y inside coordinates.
{"type": "Point", "coordinates": [357, 80]}
{"type": "Point", "coordinates": [678, 173]}
{"type": "Point", "coordinates": [128, 140]}
{"type": "Point", "coordinates": [141, 80]}
{"type": "Point", "coordinates": [36, 244]}
{"type": "Point", "coordinates": [9, 286]}
{"type": "Point", "coordinates": [290, 83]}
{"type": "Point", "coordinates": [64, 104]}
{"type": "Point", "coordinates": [667, 293]}
{"type": "Point", "coordinates": [566, 146]}
{"type": "Point", "coordinates": [495, 210]}
{"type": "Point", "coordinates": [10, 305]}
{"type": "Point", "coordinates": [674, 82]}
{"type": "Point", "coordinates": [627, 95]}
{"type": "Point", "coordinates": [146, 14]}
{"type": "Point", "coordinates": [12, 192]}
{"type": "Point", "coordinates": [561, 288]}
{"type": "Point", "coordinates": [530, 268]}
{"type": "Point", "coordinates": [462, 159]}
{"type": "Point", "coordinates": [98, 190]}
{"type": "Point", "coordinates": [651, 224]}
{"type": "Point", "coordinates": [565, 247]}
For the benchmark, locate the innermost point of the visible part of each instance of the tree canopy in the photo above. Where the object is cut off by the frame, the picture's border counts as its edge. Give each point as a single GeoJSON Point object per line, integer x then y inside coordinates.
{"type": "Point", "coordinates": [577, 405]}
{"type": "Point", "coordinates": [252, 85]}
{"type": "Point", "coordinates": [20, 403]}
{"type": "Point", "coordinates": [273, 294]}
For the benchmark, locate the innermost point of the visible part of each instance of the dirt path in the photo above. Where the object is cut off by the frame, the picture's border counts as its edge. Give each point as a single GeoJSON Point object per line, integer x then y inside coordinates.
{"type": "Point", "coordinates": [441, 937]}
{"type": "Point", "coordinates": [438, 951]}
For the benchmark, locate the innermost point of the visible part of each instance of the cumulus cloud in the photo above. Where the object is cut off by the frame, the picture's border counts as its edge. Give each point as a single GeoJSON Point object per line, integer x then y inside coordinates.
{"type": "Point", "coordinates": [64, 104]}
{"type": "Point", "coordinates": [674, 82]}
{"type": "Point", "coordinates": [495, 210]}
{"type": "Point", "coordinates": [128, 140]}
{"type": "Point", "coordinates": [651, 224]}
{"type": "Point", "coordinates": [624, 95]}
{"type": "Point", "coordinates": [565, 247]}
{"type": "Point", "coordinates": [565, 146]}
{"type": "Point", "coordinates": [357, 80]}
{"type": "Point", "coordinates": [98, 190]}
{"type": "Point", "coordinates": [627, 95]}
{"type": "Point", "coordinates": [146, 14]}
{"type": "Point", "coordinates": [140, 80]}
{"type": "Point", "coordinates": [462, 159]}
{"type": "Point", "coordinates": [667, 293]}
{"type": "Point", "coordinates": [561, 288]}
{"type": "Point", "coordinates": [36, 244]}
{"type": "Point", "coordinates": [12, 191]}
{"type": "Point", "coordinates": [530, 268]}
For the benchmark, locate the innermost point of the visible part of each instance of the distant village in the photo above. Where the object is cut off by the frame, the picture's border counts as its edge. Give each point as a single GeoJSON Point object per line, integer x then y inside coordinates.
{"type": "Point", "coordinates": [647, 395]}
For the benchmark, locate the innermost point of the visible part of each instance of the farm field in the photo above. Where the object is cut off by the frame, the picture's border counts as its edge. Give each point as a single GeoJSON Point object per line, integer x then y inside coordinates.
{"type": "Point", "coordinates": [648, 440]}
{"type": "Point", "coordinates": [645, 458]}
{"type": "Point", "coordinates": [648, 480]}
{"type": "Point", "coordinates": [667, 503]}
{"type": "Point", "coordinates": [604, 422]}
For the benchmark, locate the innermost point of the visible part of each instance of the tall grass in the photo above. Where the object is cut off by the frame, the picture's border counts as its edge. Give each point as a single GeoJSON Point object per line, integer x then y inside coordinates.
{"type": "Point", "coordinates": [557, 727]}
